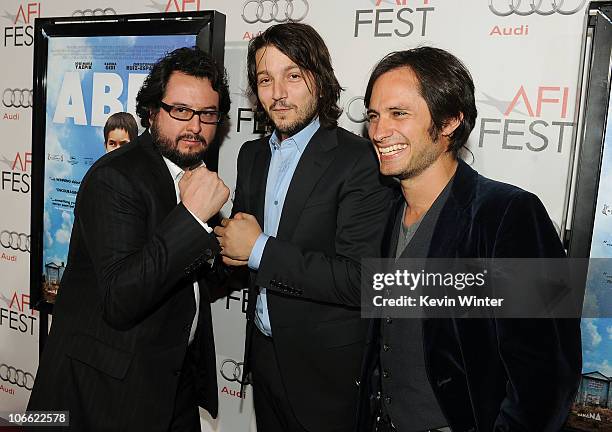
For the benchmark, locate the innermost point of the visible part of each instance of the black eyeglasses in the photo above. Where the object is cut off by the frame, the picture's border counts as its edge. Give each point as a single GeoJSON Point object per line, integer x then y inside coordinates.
{"type": "Point", "coordinates": [185, 114]}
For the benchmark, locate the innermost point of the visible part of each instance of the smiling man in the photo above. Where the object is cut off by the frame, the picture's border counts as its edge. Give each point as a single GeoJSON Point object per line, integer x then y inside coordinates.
{"type": "Point", "coordinates": [308, 206]}
{"type": "Point", "coordinates": [469, 374]}
{"type": "Point", "coordinates": [131, 345]}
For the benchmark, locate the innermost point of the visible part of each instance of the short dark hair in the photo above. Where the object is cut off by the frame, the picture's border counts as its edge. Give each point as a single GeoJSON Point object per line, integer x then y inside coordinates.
{"type": "Point", "coordinates": [190, 61]}
{"type": "Point", "coordinates": [121, 120]}
{"type": "Point", "coordinates": [305, 47]}
{"type": "Point", "coordinates": [445, 84]}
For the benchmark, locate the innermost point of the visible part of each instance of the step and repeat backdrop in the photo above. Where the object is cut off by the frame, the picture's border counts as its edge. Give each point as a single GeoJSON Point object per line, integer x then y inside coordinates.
{"type": "Point", "coordinates": [525, 58]}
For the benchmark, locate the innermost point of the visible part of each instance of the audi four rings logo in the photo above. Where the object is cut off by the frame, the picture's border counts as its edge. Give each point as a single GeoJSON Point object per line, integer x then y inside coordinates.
{"type": "Point", "coordinates": [15, 241]}
{"type": "Point", "coordinates": [17, 98]}
{"type": "Point", "coordinates": [355, 110]}
{"type": "Point", "coordinates": [509, 7]}
{"type": "Point", "coordinates": [16, 376]}
{"type": "Point", "coordinates": [231, 370]}
{"type": "Point", "coordinates": [280, 11]}
{"type": "Point", "coordinates": [94, 12]}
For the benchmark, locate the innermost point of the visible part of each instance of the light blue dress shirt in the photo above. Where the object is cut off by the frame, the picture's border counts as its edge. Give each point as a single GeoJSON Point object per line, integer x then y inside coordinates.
{"type": "Point", "coordinates": [284, 160]}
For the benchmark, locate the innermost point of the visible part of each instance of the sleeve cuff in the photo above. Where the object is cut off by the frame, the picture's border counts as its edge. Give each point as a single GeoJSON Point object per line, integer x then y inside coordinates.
{"type": "Point", "coordinates": [257, 251]}
{"type": "Point", "coordinates": [204, 224]}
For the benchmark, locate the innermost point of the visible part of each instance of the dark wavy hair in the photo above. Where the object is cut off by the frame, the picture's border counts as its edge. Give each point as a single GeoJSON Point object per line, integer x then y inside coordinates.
{"type": "Point", "coordinates": [190, 61]}
{"type": "Point", "coordinates": [445, 84]}
{"type": "Point", "coordinates": [305, 47]}
{"type": "Point", "coordinates": [121, 120]}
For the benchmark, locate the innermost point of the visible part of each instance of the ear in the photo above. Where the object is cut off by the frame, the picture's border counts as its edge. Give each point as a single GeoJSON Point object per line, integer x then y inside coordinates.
{"type": "Point", "coordinates": [451, 125]}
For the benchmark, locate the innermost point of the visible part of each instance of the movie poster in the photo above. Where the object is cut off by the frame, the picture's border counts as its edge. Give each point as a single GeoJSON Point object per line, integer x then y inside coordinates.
{"type": "Point", "coordinates": [88, 79]}
{"type": "Point", "coordinates": [592, 409]}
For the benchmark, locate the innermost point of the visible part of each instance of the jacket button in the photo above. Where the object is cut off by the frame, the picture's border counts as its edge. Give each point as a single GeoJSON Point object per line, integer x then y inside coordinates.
{"type": "Point", "coordinates": [387, 400]}
{"type": "Point", "coordinates": [357, 382]}
{"type": "Point", "coordinates": [388, 320]}
{"type": "Point", "coordinates": [187, 328]}
{"type": "Point", "coordinates": [177, 372]}
{"type": "Point", "coordinates": [386, 347]}
{"type": "Point", "coordinates": [208, 253]}
{"type": "Point", "coordinates": [386, 374]}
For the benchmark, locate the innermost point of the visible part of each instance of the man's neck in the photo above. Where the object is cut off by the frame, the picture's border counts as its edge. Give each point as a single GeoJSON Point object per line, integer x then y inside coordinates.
{"type": "Point", "coordinates": [420, 192]}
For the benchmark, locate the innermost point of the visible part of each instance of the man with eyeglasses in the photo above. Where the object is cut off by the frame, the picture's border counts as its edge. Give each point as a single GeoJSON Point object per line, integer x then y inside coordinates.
{"type": "Point", "coordinates": [131, 345]}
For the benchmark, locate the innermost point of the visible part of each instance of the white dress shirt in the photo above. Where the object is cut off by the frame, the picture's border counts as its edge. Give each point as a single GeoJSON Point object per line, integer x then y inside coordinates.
{"type": "Point", "coordinates": [177, 173]}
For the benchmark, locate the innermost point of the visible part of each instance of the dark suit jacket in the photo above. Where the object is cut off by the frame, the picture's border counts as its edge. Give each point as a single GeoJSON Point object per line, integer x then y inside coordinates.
{"type": "Point", "coordinates": [332, 217]}
{"type": "Point", "coordinates": [490, 374]}
{"type": "Point", "coordinates": [125, 305]}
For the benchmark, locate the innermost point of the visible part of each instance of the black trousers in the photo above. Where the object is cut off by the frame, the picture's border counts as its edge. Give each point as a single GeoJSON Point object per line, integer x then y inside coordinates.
{"type": "Point", "coordinates": [186, 416]}
{"type": "Point", "coordinates": [272, 410]}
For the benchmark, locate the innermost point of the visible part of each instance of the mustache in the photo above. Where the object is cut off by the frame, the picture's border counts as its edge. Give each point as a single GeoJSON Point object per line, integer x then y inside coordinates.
{"type": "Point", "coordinates": [190, 137]}
{"type": "Point", "coordinates": [281, 104]}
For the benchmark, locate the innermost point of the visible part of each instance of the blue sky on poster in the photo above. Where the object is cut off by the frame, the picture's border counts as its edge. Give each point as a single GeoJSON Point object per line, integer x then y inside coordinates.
{"type": "Point", "coordinates": [74, 141]}
{"type": "Point", "coordinates": [597, 332]}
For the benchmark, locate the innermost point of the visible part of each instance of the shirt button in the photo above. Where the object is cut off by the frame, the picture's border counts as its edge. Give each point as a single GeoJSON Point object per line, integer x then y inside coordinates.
{"type": "Point", "coordinates": [386, 347]}
{"type": "Point", "coordinates": [275, 202]}
{"type": "Point", "coordinates": [388, 320]}
{"type": "Point", "coordinates": [386, 374]}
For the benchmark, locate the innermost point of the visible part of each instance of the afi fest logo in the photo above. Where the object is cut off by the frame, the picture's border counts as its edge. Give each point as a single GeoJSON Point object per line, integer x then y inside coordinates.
{"type": "Point", "coordinates": [536, 119]}
{"type": "Point", "coordinates": [525, 8]}
{"type": "Point", "coordinates": [393, 18]}
{"type": "Point", "coordinates": [15, 313]}
{"type": "Point", "coordinates": [20, 31]}
{"type": "Point", "coordinates": [15, 172]}
{"type": "Point", "coordinates": [175, 5]}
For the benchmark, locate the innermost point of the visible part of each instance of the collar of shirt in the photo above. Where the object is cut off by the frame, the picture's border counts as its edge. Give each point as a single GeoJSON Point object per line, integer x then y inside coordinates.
{"type": "Point", "coordinates": [300, 139]}
{"type": "Point", "coordinates": [175, 171]}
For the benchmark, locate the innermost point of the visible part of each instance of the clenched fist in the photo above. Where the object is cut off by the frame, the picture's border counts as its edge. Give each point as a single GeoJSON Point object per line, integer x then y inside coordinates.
{"type": "Point", "coordinates": [237, 237]}
{"type": "Point", "coordinates": [203, 192]}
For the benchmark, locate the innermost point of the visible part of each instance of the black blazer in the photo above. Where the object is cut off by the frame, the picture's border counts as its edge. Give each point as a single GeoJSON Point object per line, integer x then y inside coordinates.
{"type": "Point", "coordinates": [125, 305]}
{"type": "Point", "coordinates": [332, 217]}
{"type": "Point", "coordinates": [489, 374]}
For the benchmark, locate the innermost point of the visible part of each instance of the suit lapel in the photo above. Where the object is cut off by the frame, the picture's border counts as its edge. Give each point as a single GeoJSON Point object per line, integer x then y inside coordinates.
{"type": "Point", "coordinates": [455, 217]}
{"type": "Point", "coordinates": [313, 163]}
{"type": "Point", "coordinates": [259, 177]}
{"type": "Point", "coordinates": [391, 236]}
{"type": "Point", "coordinates": [164, 183]}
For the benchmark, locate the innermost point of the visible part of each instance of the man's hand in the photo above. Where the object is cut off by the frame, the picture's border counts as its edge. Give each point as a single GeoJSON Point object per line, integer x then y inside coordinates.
{"type": "Point", "coordinates": [237, 237]}
{"type": "Point", "coordinates": [203, 192]}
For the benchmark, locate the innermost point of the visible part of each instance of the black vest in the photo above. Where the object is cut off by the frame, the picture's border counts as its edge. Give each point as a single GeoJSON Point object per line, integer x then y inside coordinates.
{"type": "Point", "coordinates": [407, 396]}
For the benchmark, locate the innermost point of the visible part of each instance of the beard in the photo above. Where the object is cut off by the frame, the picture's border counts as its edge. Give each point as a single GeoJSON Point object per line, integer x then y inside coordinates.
{"type": "Point", "coordinates": [421, 161]}
{"type": "Point", "coordinates": [169, 149]}
{"type": "Point", "coordinates": [303, 118]}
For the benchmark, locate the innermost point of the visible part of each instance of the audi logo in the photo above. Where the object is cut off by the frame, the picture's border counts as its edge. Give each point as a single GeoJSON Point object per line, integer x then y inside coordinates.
{"type": "Point", "coordinates": [355, 109]}
{"type": "Point", "coordinates": [508, 7]}
{"type": "Point", "coordinates": [233, 371]}
{"type": "Point", "coordinates": [15, 241]}
{"type": "Point", "coordinates": [16, 376]}
{"type": "Point", "coordinates": [280, 11]}
{"type": "Point", "coordinates": [17, 98]}
{"type": "Point", "coordinates": [94, 12]}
